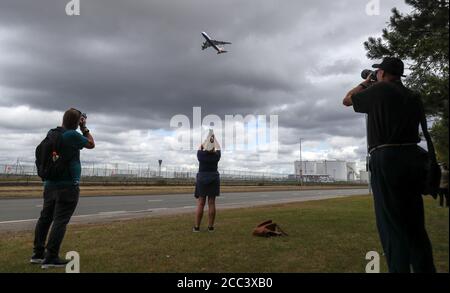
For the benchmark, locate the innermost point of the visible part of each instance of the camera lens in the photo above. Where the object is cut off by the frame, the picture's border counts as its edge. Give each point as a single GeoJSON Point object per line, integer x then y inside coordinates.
{"type": "Point", "coordinates": [367, 72]}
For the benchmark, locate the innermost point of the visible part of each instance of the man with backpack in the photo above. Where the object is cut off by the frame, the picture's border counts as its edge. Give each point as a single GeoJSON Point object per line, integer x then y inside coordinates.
{"type": "Point", "coordinates": [58, 164]}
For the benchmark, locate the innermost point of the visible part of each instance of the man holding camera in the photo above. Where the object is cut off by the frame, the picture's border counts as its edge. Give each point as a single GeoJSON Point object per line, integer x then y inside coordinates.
{"type": "Point", "coordinates": [394, 114]}
{"type": "Point", "coordinates": [61, 192]}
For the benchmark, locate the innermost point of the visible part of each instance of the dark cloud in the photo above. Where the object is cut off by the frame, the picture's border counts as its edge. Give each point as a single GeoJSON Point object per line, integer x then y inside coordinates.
{"type": "Point", "coordinates": [134, 64]}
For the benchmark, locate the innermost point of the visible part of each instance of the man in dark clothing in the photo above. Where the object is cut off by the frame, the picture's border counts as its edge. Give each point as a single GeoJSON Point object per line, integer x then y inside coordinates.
{"type": "Point", "coordinates": [61, 196]}
{"type": "Point", "coordinates": [394, 115]}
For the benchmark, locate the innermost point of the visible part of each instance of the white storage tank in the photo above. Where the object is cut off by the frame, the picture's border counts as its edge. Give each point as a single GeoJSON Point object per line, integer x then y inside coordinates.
{"type": "Point", "coordinates": [364, 176]}
{"type": "Point", "coordinates": [351, 171]}
{"type": "Point", "coordinates": [337, 170]}
{"type": "Point", "coordinates": [320, 168]}
{"type": "Point", "coordinates": [308, 167]}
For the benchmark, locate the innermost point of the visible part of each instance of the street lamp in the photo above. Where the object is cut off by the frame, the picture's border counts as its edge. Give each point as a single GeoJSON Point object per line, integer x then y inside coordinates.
{"type": "Point", "coordinates": [301, 164]}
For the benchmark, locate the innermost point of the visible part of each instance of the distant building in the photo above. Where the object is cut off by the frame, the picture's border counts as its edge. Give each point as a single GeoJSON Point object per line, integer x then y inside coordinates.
{"type": "Point", "coordinates": [364, 176]}
{"type": "Point", "coordinates": [351, 171]}
{"type": "Point", "coordinates": [327, 170]}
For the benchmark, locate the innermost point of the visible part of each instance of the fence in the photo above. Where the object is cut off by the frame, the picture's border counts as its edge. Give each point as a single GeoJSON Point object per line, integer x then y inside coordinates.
{"type": "Point", "coordinates": [134, 173]}
{"type": "Point", "coordinates": [13, 174]}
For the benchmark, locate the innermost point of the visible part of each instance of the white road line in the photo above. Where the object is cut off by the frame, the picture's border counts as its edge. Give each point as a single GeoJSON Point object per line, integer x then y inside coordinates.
{"type": "Point", "coordinates": [114, 212]}
{"type": "Point", "coordinates": [17, 221]}
{"type": "Point", "coordinates": [158, 209]}
{"type": "Point", "coordinates": [305, 198]}
{"type": "Point", "coordinates": [155, 200]}
{"type": "Point", "coordinates": [39, 206]}
{"type": "Point", "coordinates": [78, 216]}
{"type": "Point", "coordinates": [140, 211]}
{"type": "Point", "coordinates": [89, 215]}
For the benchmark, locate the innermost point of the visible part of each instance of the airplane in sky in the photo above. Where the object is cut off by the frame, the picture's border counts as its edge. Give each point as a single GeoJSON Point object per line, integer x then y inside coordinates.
{"type": "Point", "coordinates": [213, 43]}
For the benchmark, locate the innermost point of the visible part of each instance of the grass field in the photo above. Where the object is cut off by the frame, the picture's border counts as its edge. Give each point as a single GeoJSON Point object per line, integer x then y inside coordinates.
{"type": "Point", "coordinates": [98, 190]}
{"type": "Point", "coordinates": [324, 236]}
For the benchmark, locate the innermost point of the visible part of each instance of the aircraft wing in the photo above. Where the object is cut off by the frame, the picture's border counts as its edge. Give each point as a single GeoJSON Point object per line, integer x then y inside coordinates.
{"type": "Point", "coordinates": [206, 45]}
{"type": "Point", "coordinates": [220, 42]}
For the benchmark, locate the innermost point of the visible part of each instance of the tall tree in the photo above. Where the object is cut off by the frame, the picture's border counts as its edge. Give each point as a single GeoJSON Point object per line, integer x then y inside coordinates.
{"type": "Point", "coordinates": [421, 38]}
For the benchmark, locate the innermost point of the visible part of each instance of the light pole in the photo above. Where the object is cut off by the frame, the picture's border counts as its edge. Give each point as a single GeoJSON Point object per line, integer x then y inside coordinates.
{"type": "Point", "coordinates": [301, 164]}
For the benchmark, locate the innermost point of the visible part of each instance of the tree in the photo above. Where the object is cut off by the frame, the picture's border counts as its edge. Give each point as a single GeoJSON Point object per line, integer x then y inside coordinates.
{"type": "Point", "coordinates": [421, 38]}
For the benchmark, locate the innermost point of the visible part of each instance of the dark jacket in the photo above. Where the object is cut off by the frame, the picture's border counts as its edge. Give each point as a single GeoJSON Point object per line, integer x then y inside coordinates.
{"type": "Point", "coordinates": [208, 178]}
{"type": "Point", "coordinates": [208, 161]}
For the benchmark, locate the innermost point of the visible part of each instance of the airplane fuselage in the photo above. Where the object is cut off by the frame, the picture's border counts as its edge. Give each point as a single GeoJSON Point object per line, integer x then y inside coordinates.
{"type": "Point", "coordinates": [219, 50]}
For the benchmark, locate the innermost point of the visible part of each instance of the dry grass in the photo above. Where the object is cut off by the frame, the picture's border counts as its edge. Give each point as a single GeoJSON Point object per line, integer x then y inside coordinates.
{"type": "Point", "coordinates": [324, 236]}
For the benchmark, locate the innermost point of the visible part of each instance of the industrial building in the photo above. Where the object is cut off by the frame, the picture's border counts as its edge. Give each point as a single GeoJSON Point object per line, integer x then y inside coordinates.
{"type": "Point", "coordinates": [327, 171]}
{"type": "Point", "coordinates": [364, 176]}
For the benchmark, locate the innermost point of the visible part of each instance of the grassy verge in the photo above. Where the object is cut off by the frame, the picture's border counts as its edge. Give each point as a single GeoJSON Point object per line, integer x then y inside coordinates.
{"type": "Point", "coordinates": [324, 236]}
{"type": "Point", "coordinates": [98, 190]}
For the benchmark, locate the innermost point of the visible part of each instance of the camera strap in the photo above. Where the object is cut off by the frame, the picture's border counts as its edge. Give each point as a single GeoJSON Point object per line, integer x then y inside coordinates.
{"type": "Point", "coordinates": [426, 134]}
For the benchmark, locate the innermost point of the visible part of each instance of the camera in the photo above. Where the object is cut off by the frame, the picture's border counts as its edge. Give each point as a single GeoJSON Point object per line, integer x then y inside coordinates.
{"type": "Point", "coordinates": [367, 72]}
{"type": "Point", "coordinates": [82, 115]}
{"type": "Point", "coordinates": [83, 118]}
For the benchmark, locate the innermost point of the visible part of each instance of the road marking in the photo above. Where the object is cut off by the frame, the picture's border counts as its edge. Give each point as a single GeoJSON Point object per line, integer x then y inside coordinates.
{"type": "Point", "coordinates": [158, 209]}
{"type": "Point", "coordinates": [34, 220]}
{"type": "Point", "coordinates": [39, 206]}
{"type": "Point", "coordinates": [305, 197]}
{"type": "Point", "coordinates": [110, 213]}
{"type": "Point", "coordinates": [17, 221]}
{"type": "Point", "coordinates": [85, 216]}
{"type": "Point", "coordinates": [139, 211]}
{"type": "Point", "coordinates": [155, 200]}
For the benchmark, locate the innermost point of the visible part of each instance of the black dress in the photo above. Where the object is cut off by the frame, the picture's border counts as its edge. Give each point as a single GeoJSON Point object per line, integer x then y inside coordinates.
{"type": "Point", "coordinates": [208, 178]}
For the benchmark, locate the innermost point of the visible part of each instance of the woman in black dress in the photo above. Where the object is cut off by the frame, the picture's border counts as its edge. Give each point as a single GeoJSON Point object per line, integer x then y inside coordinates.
{"type": "Point", "coordinates": [207, 185]}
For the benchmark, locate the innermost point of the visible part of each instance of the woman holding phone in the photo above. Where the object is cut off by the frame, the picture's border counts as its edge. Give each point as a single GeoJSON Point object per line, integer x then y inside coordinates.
{"type": "Point", "coordinates": [207, 186]}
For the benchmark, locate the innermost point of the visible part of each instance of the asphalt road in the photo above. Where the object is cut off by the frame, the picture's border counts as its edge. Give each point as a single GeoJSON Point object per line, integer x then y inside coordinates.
{"type": "Point", "coordinates": [21, 214]}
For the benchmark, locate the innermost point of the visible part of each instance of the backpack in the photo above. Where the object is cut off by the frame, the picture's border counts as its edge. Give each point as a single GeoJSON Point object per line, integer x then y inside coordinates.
{"type": "Point", "coordinates": [268, 229]}
{"type": "Point", "coordinates": [50, 164]}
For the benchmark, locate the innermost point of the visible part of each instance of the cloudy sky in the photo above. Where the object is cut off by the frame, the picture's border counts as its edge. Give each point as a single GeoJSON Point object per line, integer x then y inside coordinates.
{"type": "Point", "coordinates": [133, 65]}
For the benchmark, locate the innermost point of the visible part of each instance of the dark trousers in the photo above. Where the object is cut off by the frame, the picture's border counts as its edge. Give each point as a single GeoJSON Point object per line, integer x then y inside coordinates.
{"type": "Point", "coordinates": [58, 208]}
{"type": "Point", "coordinates": [399, 210]}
